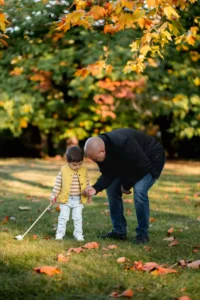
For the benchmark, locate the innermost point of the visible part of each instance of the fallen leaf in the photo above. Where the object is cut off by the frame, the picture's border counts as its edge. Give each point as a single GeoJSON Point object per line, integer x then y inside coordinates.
{"type": "Point", "coordinates": [170, 230]}
{"type": "Point", "coordinates": [34, 236]}
{"type": "Point", "coordinates": [112, 246]}
{"type": "Point", "coordinates": [50, 271]}
{"type": "Point", "coordinates": [121, 259]}
{"type": "Point", "coordinates": [5, 220]}
{"type": "Point", "coordinates": [62, 258]}
{"type": "Point", "coordinates": [182, 263]}
{"type": "Point", "coordinates": [24, 208]}
{"type": "Point", "coordinates": [197, 194]}
{"type": "Point", "coordinates": [162, 271]}
{"type": "Point", "coordinates": [91, 245]}
{"type": "Point", "coordinates": [128, 211]}
{"type": "Point", "coordinates": [149, 266]}
{"type": "Point", "coordinates": [184, 298]}
{"type": "Point", "coordinates": [127, 200]}
{"type": "Point", "coordinates": [76, 250]}
{"type": "Point", "coordinates": [47, 237]}
{"type": "Point", "coordinates": [114, 294]}
{"type": "Point", "coordinates": [194, 264]}
{"type": "Point", "coordinates": [169, 239]}
{"type": "Point", "coordinates": [57, 208]}
{"type": "Point", "coordinates": [152, 220]}
{"type": "Point", "coordinates": [147, 248]}
{"type": "Point", "coordinates": [174, 243]}
{"type": "Point", "coordinates": [127, 293]}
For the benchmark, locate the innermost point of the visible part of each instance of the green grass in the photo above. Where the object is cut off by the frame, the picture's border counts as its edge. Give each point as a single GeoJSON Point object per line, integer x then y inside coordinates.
{"type": "Point", "coordinates": [90, 275]}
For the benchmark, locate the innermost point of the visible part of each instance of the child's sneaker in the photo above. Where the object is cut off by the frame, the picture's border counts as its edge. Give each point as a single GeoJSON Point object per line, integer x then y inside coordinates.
{"type": "Point", "coordinates": [59, 238]}
{"type": "Point", "coordinates": [79, 238]}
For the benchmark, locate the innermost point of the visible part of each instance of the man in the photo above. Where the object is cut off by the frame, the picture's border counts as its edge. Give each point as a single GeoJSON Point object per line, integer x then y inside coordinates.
{"type": "Point", "coordinates": [126, 158]}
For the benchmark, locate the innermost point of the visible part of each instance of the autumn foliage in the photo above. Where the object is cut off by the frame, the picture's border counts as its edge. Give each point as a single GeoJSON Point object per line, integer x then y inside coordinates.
{"type": "Point", "coordinates": [158, 20]}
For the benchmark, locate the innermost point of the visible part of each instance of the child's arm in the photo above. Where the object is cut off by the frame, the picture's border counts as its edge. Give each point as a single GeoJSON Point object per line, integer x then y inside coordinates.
{"type": "Point", "coordinates": [57, 188]}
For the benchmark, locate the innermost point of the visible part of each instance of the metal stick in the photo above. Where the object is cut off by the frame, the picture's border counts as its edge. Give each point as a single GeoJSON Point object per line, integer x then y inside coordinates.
{"type": "Point", "coordinates": [36, 220]}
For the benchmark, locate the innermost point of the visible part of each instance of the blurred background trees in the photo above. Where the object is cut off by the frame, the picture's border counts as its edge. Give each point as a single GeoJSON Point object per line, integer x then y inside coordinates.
{"type": "Point", "coordinates": [43, 105]}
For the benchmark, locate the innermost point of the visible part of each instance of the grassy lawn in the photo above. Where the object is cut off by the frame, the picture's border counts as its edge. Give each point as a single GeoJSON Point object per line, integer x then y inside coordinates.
{"type": "Point", "coordinates": [92, 274]}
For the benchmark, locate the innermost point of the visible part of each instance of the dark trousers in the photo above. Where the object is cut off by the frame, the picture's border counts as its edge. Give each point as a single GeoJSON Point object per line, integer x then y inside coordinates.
{"type": "Point", "coordinates": [141, 202]}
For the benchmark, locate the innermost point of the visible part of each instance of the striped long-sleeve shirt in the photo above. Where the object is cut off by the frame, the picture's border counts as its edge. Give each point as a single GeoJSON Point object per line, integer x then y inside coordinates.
{"type": "Point", "coordinates": [75, 189]}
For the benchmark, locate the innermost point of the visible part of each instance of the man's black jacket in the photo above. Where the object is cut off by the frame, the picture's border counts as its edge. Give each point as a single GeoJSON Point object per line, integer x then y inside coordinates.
{"type": "Point", "coordinates": [130, 155]}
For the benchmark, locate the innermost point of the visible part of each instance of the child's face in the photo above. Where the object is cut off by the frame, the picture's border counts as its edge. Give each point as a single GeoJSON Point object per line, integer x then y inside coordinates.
{"type": "Point", "coordinates": [75, 165]}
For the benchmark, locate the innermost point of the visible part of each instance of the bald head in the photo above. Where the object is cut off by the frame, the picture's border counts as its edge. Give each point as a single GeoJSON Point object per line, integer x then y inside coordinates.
{"type": "Point", "coordinates": [95, 149]}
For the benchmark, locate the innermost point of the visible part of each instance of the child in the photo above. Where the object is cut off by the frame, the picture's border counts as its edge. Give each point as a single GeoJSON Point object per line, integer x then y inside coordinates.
{"type": "Point", "coordinates": [70, 183]}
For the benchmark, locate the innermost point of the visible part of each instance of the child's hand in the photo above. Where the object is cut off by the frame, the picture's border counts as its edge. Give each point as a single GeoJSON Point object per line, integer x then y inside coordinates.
{"type": "Point", "coordinates": [52, 198]}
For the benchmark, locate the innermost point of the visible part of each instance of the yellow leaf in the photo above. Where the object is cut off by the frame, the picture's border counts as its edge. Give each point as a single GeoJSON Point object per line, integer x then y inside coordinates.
{"type": "Point", "coordinates": [80, 4]}
{"type": "Point", "coordinates": [129, 4]}
{"type": "Point", "coordinates": [190, 39]}
{"type": "Point", "coordinates": [194, 30]}
{"type": "Point", "coordinates": [23, 123]}
{"type": "Point", "coordinates": [173, 29]}
{"type": "Point", "coordinates": [134, 46]}
{"type": "Point", "coordinates": [169, 11]}
{"type": "Point", "coordinates": [167, 34]}
{"type": "Point", "coordinates": [197, 81]}
{"type": "Point", "coordinates": [144, 50]}
{"type": "Point", "coordinates": [151, 3]}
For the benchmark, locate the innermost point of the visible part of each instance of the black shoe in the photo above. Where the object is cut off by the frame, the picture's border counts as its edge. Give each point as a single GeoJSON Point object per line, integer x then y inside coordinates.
{"type": "Point", "coordinates": [141, 239]}
{"type": "Point", "coordinates": [113, 235]}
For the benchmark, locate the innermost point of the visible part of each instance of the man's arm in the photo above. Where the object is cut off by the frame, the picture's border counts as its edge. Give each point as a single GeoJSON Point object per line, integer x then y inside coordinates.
{"type": "Point", "coordinates": [103, 182]}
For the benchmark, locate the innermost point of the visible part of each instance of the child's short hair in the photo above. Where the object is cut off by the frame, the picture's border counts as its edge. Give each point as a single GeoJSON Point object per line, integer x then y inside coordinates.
{"type": "Point", "coordinates": [74, 154]}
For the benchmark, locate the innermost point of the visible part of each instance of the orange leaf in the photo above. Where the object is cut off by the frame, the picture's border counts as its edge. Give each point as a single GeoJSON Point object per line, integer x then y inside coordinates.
{"type": "Point", "coordinates": [34, 236]}
{"type": "Point", "coordinates": [91, 245]}
{"type": "Point", "coordinates": [76, 250]}
{"type": "Point", "coordinates": [152, 220]}
{"type": "Point", "coordinates": [127, 293]}
{"type": "Point", "coordinates": [50, 271]}
{"type": "Point", "coordinates": [128, 200]}
{"type": "Point", "coordinates": [5, 220]}
{"type": "Point", "coordinates": [97, 12]}
{"type": "Point", "coordinates": [184, 298]}
{"type": "Point", "coordinates": [170, 230]}
{"type": "Point", "coordinates": [112, 246]}
{"type": "Point", "coordinates": [121, 259]}
{"type": "Point", "coordinates": [62, 258]}
{"type": "Point", "coordinates": [174, 243]}
{"type": "Point", "coordinates": [161, 271]}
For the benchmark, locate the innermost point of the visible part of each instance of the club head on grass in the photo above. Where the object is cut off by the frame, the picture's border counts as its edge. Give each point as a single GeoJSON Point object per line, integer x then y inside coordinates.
{"type": "Point", "coordinates": [18, 238]}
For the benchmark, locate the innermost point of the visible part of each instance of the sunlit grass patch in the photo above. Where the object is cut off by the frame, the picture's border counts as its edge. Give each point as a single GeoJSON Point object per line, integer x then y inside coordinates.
{"type": "Point", "coordinates": [94, 273]}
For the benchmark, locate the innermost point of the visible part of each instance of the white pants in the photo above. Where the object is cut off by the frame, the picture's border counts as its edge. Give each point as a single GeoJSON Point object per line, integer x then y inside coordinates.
{"type": "Point", "coordinates": [74, 204]}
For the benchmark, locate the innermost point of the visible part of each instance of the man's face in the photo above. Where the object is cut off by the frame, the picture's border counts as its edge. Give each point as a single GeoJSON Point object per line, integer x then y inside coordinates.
{"type": "Point", "coordinates": [98, 155]}
{"type": "Point", "coordinates": [75, 165]}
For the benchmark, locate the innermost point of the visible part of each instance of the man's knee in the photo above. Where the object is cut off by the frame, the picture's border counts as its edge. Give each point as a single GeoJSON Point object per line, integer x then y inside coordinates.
{"type": "Point", "coordinates": [140, 195]}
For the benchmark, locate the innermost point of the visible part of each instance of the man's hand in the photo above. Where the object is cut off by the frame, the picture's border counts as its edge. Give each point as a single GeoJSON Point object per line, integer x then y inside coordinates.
{"type": "Point", "coordinates": [89, 191]}
{"type": "Point", "coordinates": [89, 200]}
{"type": "Point", "coordinates": [124, 191]}
{"type": "Point", "coordinates": [52, 198]}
